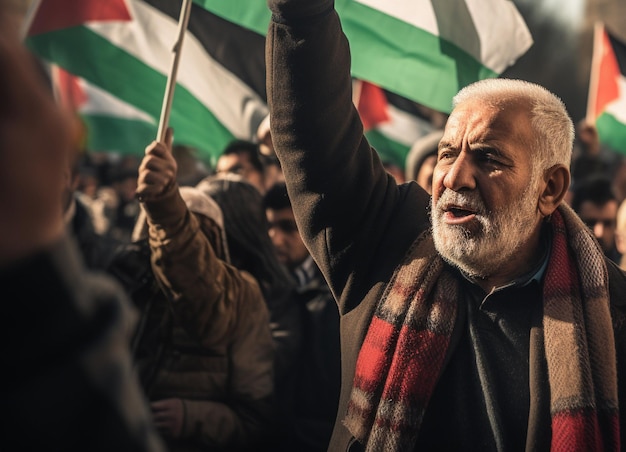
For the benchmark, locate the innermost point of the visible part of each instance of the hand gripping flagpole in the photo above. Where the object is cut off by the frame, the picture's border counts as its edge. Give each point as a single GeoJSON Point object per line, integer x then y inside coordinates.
{"type": "Point", "coordinates": [171, 79]}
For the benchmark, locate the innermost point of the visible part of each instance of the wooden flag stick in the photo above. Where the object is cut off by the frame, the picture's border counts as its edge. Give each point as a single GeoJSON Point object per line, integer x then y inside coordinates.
{"type": "Point", "coordinates": [171, 79]}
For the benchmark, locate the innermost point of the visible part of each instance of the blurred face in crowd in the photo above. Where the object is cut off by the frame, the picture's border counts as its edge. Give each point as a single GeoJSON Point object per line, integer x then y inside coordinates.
{"type": "Point", "coordinates": [240, 164]}
{"type": "Point", "coordinates": [126, 188]}
{"type": "Point", "coordinates": [424, 176]}
{"type": "Point", "coordinates": [286, 238]}
{"type": "Point", "coordinates": [485, 196]}
{"type": "Point", "coordinates": [601, 219]}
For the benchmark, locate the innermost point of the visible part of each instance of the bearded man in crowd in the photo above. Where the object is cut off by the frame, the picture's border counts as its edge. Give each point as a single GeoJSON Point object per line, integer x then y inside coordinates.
{"type": "Point", "coordinates": [492, 323]}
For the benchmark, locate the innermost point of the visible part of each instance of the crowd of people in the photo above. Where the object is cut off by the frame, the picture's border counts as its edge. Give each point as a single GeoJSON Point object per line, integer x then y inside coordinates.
{"type": "Point", "coordinates": [301, 295]}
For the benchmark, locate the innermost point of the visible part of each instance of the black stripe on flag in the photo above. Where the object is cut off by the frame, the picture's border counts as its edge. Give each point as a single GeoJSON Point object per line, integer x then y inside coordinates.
{"type": "Point", "coordinates": [239, 50]}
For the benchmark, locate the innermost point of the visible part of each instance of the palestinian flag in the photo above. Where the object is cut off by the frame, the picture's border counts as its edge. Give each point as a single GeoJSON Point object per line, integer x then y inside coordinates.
{"type": "Point", "coordinates": [110, 60]}
{"type": "Point", "coordinates": [424, 50]}
{"type": "Point", "coordinates": [607, 90]}
{"type": "Point", "coordinates": [392, 123]}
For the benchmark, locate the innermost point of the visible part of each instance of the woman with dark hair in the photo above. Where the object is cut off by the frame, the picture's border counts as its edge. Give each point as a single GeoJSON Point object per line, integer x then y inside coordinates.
{"type": "Point", "coordinates": [251, 249]}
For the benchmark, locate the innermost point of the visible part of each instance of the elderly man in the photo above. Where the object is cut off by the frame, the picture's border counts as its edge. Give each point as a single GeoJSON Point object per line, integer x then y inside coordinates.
{"type": "Point", "coordinates": [494, 329]}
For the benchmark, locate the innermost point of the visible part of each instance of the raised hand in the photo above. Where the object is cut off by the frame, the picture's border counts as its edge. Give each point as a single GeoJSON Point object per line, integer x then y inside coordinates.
{"type": "Point", "coordinates": [158, 169]}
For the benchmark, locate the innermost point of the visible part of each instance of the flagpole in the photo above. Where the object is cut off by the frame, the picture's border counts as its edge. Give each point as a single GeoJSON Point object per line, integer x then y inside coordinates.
{"type": "Point", "coordinates": [29, 17]}
{"type": "Point", "coordinates": [171, 79]}
{"type": "Point", "coordinates": [596, 58]}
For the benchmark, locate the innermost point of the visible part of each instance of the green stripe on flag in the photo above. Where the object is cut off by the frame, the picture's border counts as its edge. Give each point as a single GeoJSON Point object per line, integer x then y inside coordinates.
{"type": "Point", "coordinates": [612, 132]}
{"type": "Point", "coordinates": [409, 61]}
{"type": "Point", "coordinates": [125, 136]}
{"type": "Point", "coordinates": [189, 117]}
{"type": "Point", "coordinates": [251, 14]}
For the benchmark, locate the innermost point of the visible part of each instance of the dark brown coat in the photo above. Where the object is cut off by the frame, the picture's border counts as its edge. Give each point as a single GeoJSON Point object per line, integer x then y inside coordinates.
{"type": "Point", "coordinates": [357, 222]}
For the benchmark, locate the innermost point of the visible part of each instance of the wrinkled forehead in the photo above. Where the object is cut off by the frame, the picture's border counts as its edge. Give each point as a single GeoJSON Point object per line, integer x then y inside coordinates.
{"type": "Point", "coordinates": [490, 118]}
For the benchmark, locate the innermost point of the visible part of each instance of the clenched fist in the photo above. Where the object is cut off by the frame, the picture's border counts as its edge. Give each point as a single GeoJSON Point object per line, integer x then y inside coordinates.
{"type": "Point", "coordinates": [158, 169]}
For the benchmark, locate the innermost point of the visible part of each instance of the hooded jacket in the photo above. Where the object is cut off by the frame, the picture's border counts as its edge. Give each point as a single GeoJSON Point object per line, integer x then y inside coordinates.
{"type": "Point", "coordinates": [203, 334]}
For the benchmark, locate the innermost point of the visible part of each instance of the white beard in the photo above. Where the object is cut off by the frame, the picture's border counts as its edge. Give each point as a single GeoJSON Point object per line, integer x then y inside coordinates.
{"type": "Point", "coordinates": [493, 238]}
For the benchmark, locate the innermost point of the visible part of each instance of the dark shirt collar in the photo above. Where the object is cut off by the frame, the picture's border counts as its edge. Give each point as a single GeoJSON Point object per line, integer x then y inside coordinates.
{"type": "Point", "coordinates": [535, 274]}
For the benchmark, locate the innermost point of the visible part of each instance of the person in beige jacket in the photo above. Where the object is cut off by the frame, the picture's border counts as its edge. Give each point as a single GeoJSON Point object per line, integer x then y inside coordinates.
{"type": "Point", "coordinates": [203, 348]}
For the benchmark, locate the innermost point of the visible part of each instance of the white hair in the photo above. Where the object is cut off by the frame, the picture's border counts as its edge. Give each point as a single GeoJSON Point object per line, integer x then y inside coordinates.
{"type": "Point", "coordinates": [552, 126]}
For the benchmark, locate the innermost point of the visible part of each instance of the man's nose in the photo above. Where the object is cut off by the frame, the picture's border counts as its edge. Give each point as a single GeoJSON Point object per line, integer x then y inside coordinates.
{"type": "Point", "coordinates": [460, 174]}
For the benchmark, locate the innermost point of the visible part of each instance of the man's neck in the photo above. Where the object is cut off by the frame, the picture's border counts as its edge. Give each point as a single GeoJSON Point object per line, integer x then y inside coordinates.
{"type": "Point", "coordinates": [524, 274]}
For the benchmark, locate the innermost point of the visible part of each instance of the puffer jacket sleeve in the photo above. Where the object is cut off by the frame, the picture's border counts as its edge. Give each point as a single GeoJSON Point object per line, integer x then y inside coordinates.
{"type": "Point", "coordinates": [204, 290]}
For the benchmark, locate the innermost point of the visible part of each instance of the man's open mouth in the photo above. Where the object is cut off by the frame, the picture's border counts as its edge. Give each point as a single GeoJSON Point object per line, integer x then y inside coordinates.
{"type": "Point", "coordinates": [460, 212]}
{"type": "Point", "coordinates": [456, 214]}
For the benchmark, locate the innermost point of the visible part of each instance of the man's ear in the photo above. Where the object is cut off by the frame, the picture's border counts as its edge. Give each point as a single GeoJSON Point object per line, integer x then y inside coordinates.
{"type": "Point", "coordinates": [557, 180]}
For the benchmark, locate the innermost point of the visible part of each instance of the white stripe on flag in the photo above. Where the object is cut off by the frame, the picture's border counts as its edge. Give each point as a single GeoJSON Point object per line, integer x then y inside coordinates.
{"type": "Point", "coordinates": [492, 31]}
{"type": "Point", "coordinates": [100, 102]}
{"type": "Point", "coordinates": [617, 109]}
{"type": "Point", "coordinates": [217, 88]}
{"type": "Point", "coordinates": [403, 127]}
{"type": "Point", "coordinates": [418, 13]}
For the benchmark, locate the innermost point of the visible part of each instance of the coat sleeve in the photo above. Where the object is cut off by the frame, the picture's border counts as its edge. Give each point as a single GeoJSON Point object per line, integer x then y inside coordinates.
{"type": "Point", "coordinates": [204, 290]}
{"type": "Point", "coordinates": [343, 198]}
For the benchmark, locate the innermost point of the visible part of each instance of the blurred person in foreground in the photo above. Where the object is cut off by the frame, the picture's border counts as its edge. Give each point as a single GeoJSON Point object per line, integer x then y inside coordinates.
{"type": "Point", "coordinates": [203, 347]}
{"type": "Point", "coordinates": [479, 319]}
{"type": "Point", "coordinates": [316, 390]}
{"type": "Point", "coordinates": [68, 379]}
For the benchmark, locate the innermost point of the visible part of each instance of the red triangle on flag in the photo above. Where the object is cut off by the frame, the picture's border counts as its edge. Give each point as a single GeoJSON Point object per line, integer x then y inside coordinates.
{"type": "Point", "coordinates": [71, 94]}
{"type": "Point", "coordinates": [58, 14]}
{"type": "Point", "coordinates": [372, 105]}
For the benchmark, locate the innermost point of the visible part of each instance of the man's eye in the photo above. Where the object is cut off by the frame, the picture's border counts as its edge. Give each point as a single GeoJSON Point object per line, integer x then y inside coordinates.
{"type": "Point", "coordinates": [445, 154]}
{"type": "Point", "coordinates": [490, 158]}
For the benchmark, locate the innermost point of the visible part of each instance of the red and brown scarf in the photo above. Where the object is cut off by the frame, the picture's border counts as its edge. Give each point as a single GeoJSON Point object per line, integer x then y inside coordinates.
{"type": "Point", "coordinates": [403, 352]}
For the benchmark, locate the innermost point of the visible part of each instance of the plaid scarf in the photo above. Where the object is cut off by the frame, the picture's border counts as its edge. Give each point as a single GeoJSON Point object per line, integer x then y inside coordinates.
{"type": "Point", "coordinates": [403, 352]}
